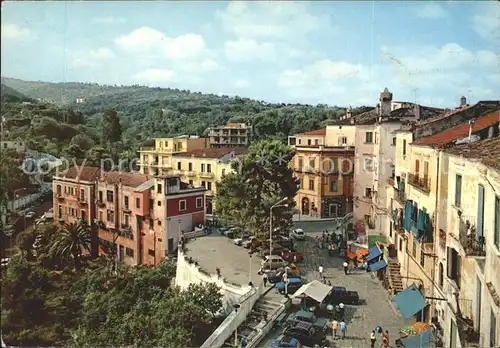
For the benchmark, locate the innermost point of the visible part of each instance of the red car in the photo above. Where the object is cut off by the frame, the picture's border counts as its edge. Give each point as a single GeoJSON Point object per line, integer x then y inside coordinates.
{"type": "Point", "coordinates": [292, 256]}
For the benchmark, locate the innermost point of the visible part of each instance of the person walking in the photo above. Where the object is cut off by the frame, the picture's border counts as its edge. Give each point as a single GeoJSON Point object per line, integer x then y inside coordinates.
{"type": "Point", "coordinates": [385, 339]}
{"type": "Point", "coordinates": [373, 339]}
{"type": "Point", "coordinates": [321, 269]}
{"type": "Point", "coordinates": [346, 267]}
{"type": "Point", "coordinates": [264, 279]}
{"type": "Point", "coordinates": [335, 326]}
{"type": "Point", "coordinates": [343, 329]}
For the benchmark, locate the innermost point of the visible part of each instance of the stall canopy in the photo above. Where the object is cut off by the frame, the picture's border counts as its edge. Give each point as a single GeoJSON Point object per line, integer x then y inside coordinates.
{"type": "Point", "coordinates": [315, 290]}
{"type": "Point", "coordinates": [373, 254]}
{"type": "Point", "coordinates": [422, 340]}
{"type": "Point", "coordinates": [410, 301]}
{"type": "Point", "coordinates": [374, 267]}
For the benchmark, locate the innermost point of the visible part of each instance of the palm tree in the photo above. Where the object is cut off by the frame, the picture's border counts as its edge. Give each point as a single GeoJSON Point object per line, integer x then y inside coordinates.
{"type": "Point", "coordinates": [69, 242]}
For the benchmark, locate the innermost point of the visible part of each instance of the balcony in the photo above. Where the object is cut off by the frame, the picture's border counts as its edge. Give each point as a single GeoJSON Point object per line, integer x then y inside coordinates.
{"type": "Point", "coordinates": [59, 196]}
{"type": "Point", "coordinates": [473, 246]}
{"type": "Point", "coordinates": [399, 196]}
{"type": "Point", "coordinates": [82, 200]}
{"type": "Point", "coordinates": [421, 183]}
{"type": "Point", "coordinates": [101, 204]}
{"type": "Point", "coordinates": [126, 209]}
{"type": "Point", "coordinates": [147, 149]}
{"type": "Point", "coordinates": [190, 173]}
{"type": "Point", "coordinates": [207, 175]}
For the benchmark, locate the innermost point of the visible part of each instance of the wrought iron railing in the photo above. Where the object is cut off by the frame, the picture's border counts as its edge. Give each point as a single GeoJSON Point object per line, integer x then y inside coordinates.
{"type": "Point", "coordinates": [473, 246]}
{"type": "Point", "coordinates": [419, 182]}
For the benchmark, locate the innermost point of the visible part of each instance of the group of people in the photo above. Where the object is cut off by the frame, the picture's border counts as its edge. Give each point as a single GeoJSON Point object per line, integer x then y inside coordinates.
{"type": "Point", "coordinates": [340, 327]}
{"type": "Point", "coordinates": [384, 336]}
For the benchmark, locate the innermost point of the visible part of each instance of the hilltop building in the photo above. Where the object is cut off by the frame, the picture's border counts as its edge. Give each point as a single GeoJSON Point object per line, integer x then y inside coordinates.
{"type": "Point", "coordinates": [230, 135]}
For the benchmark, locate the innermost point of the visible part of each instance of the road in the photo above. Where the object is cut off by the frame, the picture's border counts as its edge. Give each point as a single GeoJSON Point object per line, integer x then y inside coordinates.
{"type": "Point", "coordinates": [377, 310]}
{"type": "Point", "coordinates": [315, 226]}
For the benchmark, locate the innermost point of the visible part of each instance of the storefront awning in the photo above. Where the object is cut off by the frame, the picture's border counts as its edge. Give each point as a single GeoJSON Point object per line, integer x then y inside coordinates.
{"type": "Point", "coordinates": [410, 301]}
{"type": "Point", "coordinates": [315, 290]}
{"type": "Point", "coordinates": [374, 267]}
{"type": "Point", "coordinates": [422, 340]}
{"type": "Point", "coordinates": [373, 254]}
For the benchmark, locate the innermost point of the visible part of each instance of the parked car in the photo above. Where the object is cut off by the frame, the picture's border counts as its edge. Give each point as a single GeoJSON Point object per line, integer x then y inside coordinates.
{"type": "Point", "coordinates": [306, 334]}
{"type": "Point", "coordinates": [307, 317]}
{"type": "Point", "coordinates": [294, 284]}
{"type": "Point", "coordinates": [232, 232]}
{"type": "Point", "coordinates": [292, 256]}
{"type": "Point", "coordinates": [30, 215]}
{"type": "Point", "coordinates": [249, 243]}
{"type": "Point", "coordinates": [298, 234]}
{"type": "Point", "coordinates": [285, 342]}
{"type": "Point", "coordinates": [275, 276]}
{"type": "Point", "coordinates": [271, 263]}
{"type": "Point", "coordinates": [244, 236]}
{"type": "Point", "coordinates": [340, 294]}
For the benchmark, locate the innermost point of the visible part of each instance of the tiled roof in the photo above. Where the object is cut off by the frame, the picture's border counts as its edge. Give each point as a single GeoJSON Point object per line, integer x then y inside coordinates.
{"type": "Point", "coordinates": [125, 178]}
{"type": "Point", "coordinates": [365, 118]}
{"type": "Point", "coordinates": [481, 106]}
{"type": "Point", "coordinates": [460, 131]}
{"type": "Point", "coordinates": [83, 173]}
{"type": "Point", "coordinates": [145, 186]}
{"type": "Point", "coordinates": [486, 151]}
{"type": "Point", "coordinates": [212, 153]}
{"type": "Point", "coordinates": [321, 131]}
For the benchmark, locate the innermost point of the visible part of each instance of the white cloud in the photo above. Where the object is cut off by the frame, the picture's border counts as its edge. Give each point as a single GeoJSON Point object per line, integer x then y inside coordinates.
{"type": "Point", "coordinates": [91, 58]}
{"type": "Point", "coordinates": [430, 10]}
{"type": "Point", "coordinates": [198, 67]}
{"type": "Point", "coordinates": [241, 83]}
{"type": "Point", "coordinates": [109, 20]}
{"type": "Point", "coordinates": [149, 41]}
{"type": "Point", "coordinates": [274, 19]}
{"type": "Point", "coordinates": [249, 49]}
{"type": "Point", "coordinates": [487, 21]}
{"type": "Point", "coordinates": [155, 76]}
{"type": "Point", "coordinates": [15, 32]}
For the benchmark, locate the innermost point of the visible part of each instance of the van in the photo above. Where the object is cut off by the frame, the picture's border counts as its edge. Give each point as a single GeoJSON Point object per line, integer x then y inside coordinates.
{"type": "Point", "coordinates": [271, 262]}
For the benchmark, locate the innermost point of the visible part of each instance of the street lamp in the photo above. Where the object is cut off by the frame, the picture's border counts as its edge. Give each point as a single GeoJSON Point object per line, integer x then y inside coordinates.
{"type": "Point", "coordinates": [278, 204]}
{"type": "Point", "coordinates": [236, 306]}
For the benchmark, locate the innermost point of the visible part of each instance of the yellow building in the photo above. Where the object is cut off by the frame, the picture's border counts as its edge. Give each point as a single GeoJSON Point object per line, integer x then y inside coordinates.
{"type": "Point", "coordinates": [157, 160]}
{"type": "Point", "coordinates": [205, 167]}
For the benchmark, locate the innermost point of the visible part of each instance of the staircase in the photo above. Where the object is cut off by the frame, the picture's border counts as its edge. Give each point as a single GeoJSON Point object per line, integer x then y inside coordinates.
{"type": "Point", "coordinates": [395, 281]}
{"type": "Point", "coordinates": [268, 305]}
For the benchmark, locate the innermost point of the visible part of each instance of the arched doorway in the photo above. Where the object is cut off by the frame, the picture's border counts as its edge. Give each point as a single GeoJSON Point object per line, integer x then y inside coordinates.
{"type": "Point", "coordinates": [305, 206]}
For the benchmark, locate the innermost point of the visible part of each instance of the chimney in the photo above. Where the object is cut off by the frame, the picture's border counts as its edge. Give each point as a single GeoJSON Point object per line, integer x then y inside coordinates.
{"type": "Point", "coordinates": [385, 102]}
{"type": "Point", "coordinates": [349, 112]}
{"type": "Point", "coordinates": [471, 123]}
{"type": "Point", "coordinates": [463, 102]}
{"type": "Point", "coordinates": [352, 120]}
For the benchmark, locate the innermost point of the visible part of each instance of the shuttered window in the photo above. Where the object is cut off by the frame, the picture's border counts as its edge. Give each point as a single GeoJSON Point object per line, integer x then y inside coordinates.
{"type": "Point", "coordinates": [480, 211]}
{"type": "Point", "coordinates": [458, 190]}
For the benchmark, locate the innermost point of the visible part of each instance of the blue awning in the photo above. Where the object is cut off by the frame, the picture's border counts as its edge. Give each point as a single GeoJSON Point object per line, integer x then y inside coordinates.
{"type": "Point", "coordinates": [423, 340]}
{"type": "Point", "coordinates": [410, 301]}
{"type": "Point", "coordinates": [374, 267]}
{"type": "Point", "coordinates": [373, 253]}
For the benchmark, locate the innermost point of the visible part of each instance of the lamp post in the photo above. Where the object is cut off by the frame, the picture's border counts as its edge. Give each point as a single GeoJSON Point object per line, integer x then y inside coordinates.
{"type": "Point", "coordinates": [271, 223]}
{"type": "Point", "coordinates": [250, 269]}
{"type": "Point", "coordinates": [236, 306]}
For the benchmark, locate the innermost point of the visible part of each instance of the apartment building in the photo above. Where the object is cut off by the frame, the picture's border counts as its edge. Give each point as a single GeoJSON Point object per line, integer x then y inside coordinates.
{"type": "Point", "coordinates": [230, 135]}
{"type": "Point", "coordinates": [17, 145]}
{"type": "Point", "coordinates": [206, 167]}
{"type": "Point", "coordinates": [139, 217]}
{"type": "Point", "coordinates": [324, 164]}
{"type": "Point", "coordinates": [157, 160]}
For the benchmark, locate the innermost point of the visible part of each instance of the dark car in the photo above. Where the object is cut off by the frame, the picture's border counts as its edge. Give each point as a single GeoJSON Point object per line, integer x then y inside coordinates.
{"type": "Point", "coordinates": [277, 275]}
{"type": "Point", "coordinates": [292, 256]}
{"type": "Point", "coordinates": [285, 342]}
{"type": "Point", "coordinates": [294, 284]}
{"type": "Point", "coordinates": [306, 334]}
{"type": "Point", "coordinates": [339, 294]}
{"type": "Point", "coordinates": [307, 317]}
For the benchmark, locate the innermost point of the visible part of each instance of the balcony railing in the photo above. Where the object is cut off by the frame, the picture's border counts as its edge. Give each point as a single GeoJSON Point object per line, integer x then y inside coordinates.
{"type": "Point", "coordinates": [126, 209]}
{"type": "Point", "coordinates": [190, 173]}
{"type": "Point", "coordinates": [473, 246]}
{"type": "Point", "coordinates": [82, 200]}
{"type": "Point", "coordinates": [101, 203]}
{"type": "Point", "coordinates": [147, 149]}
{"type": "Point", "coordinates": [59, 195]}
{"type": "Point", "coordinates": [422, 183]}
{"type": "Point", "coordinates": [207, 175]}
{"type": "Point", "coordinates": [399, 196]}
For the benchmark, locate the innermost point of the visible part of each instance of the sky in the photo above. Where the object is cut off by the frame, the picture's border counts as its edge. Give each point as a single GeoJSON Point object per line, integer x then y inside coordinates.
{"type": "Point", "coordinates": [335, 53]}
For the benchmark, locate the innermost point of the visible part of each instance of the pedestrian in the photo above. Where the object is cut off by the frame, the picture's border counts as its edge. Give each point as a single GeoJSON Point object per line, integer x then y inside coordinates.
{"type": "Point", "coordinates": [335, 325]}
{"type": "Point", "coordinates": [343, 329]}
{"type": "Point", "coordinates": [373, 338]}
{"type": "Point", "coordinates": [321, 269]}
{"type": "Point", "coordinates": [329, 283]}
{"type": "Point", "coordinates": [346, 267]}
{"type": "Point", "coordinates": [385, 339]}
{"type": "Point", "coordinates": [243, 342]}
{"type": "Point", "coordinates": [264, 278]}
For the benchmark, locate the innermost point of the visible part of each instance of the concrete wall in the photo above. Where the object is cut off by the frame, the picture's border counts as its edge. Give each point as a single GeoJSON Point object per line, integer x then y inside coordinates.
{"type": "Point", "coordinates": [335, 133]}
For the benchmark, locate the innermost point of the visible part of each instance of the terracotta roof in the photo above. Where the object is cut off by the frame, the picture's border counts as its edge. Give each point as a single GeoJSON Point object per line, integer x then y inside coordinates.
{"type": "Point", "coordinates": [482, 106]}
{"type": "Point", "coordinates": [125, 178]}
{"type": "Point", "coordinates": [321, 131]}
{"type": "Point", "coordinates": [486, 151]}
{"type": "Point", "coordinates": [212, 153]}
{"type": "Point", "coordinates": [84, 173]}
{"type": "Point", "coordinates": [460, 131]}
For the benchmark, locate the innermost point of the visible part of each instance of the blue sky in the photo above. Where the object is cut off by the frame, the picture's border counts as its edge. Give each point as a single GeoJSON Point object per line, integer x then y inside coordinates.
{"type": "Point", "coordinates": [338, 53]}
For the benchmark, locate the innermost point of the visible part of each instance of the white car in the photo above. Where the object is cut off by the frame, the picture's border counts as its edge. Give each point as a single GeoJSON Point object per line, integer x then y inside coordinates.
{"type": "Point", "coordinates": [30, 215]}
{"type": "Point", "coordinates": [298, 234]}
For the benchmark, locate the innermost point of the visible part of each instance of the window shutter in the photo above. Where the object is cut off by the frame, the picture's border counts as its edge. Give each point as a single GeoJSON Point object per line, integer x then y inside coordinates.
{"type": "Point", "coordinates": [480, 211]}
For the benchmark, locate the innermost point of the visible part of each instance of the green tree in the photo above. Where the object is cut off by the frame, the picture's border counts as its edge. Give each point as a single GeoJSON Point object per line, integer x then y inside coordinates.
{"type": "Point", "coordinates": [262, 178]}
{"type": "Point", "coordinates": [111, 127]}
{"type": "Point", "coordinates": [205, 296]}
{"type": "Point", "coordinates": [70, 241]}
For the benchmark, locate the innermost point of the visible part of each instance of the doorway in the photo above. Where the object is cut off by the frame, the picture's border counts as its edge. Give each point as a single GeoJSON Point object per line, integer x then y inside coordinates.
{"type": "Point", "coordinates": [333, 210]}
{"type": "Point", "coordinates": [170, 245]}
{"type": "Point", "coordinates": [305, 206]}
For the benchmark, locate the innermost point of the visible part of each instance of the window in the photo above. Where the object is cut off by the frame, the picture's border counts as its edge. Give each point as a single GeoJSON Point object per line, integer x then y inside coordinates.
{"type": "Point", "coordinates": [126, 217]}
{"type": "Point", "coordinates": [333, 186]}
{"type": "Point", "coordinates": [453, 271]}
{"type": "Point", "coordinates": [182, 205]}
{"type": "Point", "coordinates": [368, 192]}
{"type": "Point", "coordinates": [199, 202]}
{"type": "Point", "coordinates": [151, 224]}
{"type": "Point", "coordinates": [301, 163]}
{"type": "Point", "coordinates": [417, 167]}
{"type": "Point", "coordinates": [138, 203]}
{"type": "Point", "coordinates": [100, 196]}
{"type": "Point", "coordinates": [125, 202]}
{"type": "Point", "coordinates": [191, 182]}
{"type": "Point", "coordinates": [110, 216]}
{"type": "Point", "coordinates": [311, 184]}
{"type": "Point", "coordinates": [369, 163]}
{"type": "Point", "coordinates": [493, 329]}
{"type": "Point", "coordinates": [60, 211]}
{"type": "Point", "coordinates": [209, 168]}
{"type": "Point", "coordinates": [480, 212]}
{"type": "Point", "coordinates": [159, 222]}
{"type": "Point", "coordinates": [203, 167]}
{"type": "Point", "coordinates": [441, 275]}
{"type": "Point", "coordinates": [309, 142]}
{"type": "Point", "coordinates": [343, 141]}
{"type": "Point", "coordinates": [209, 186]}
{"type": "Point", "coordinates": [316, 142]}
{"type": "Point", "coordinates": [179, 165]}
{"type": "Point", "coordinates": [369, 137]}
{"type": "Point", "coordinates": [497, 223]}
{"type": "Point", "coordinates": [159, 203]}
{"type": "Point", "coordinates": [58, 189]}
{"type": "Point", "coordinates": [101, 216]}
{"type": "Point", "coordinates": [158, 188]}
{"type": "Point", "coordinates": [109, 196]}
{"type": "Point", "coordinates": [414, 248]}
{"type": "Point", "coordinates": [426, 171]}
{"type": "Point", "coordinates": [203, 184]}
{"type": "Point", "coordinates": [312, 163]}
{"type": "Point", "coordinates": [458, 190]}
{"type": "Point", "coordinates": [151, 252]}
{"type": "Point", "coordinates": [301, 183]}
{"type": "Point", "coordinates": [190, 166]}
{"type": "Point", "coordinates": [400, 244]}
{"type": "Point", "coordinates": [422, 258]}
{"type": "Point", "coordinates": [129, 252]}
{"type": "Point", "coordinates": [394, 141]}
{"type": "Point", "coordinates": [300, 141]}
{"type": "Point", "coordinates": [404, 147]}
